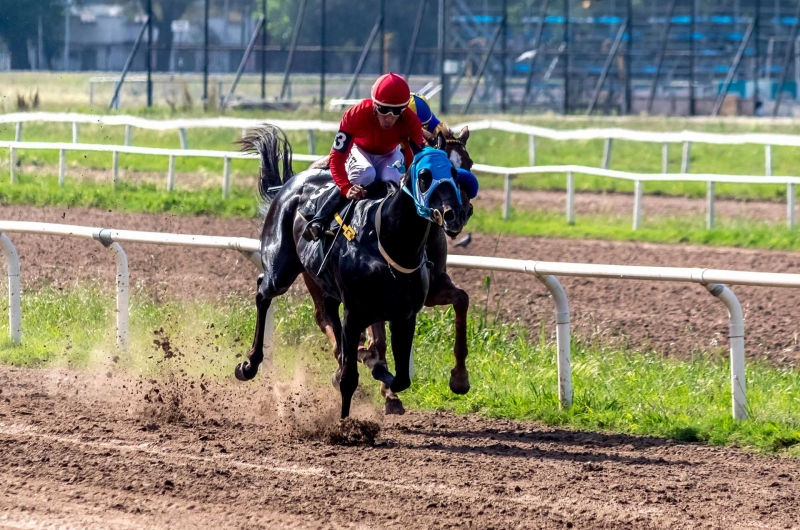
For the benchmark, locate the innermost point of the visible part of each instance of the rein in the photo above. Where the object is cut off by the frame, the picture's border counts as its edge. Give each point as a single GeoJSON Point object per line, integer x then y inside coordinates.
{"type": "Point", "coordinates": [392, 263]}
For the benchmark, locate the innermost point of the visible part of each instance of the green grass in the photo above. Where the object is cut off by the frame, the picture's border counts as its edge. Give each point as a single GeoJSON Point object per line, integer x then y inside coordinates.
{"type": "Point", "coordinates": [512, 368]}
{"type": "Point", "coordinates": [689, 229]}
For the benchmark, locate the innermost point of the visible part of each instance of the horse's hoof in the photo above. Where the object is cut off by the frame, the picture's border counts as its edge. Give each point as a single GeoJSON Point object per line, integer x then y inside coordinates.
{"type": "Point", "coordinates": [244, 372]}
{"type": "Point", "coordinates": [382, 374]}
{"type": "Point", "coordinates": [336, 379]}
{"type": "Point", "coordinates": [459, 383]}
{"type": "Point", "coordinates": [394, 406]}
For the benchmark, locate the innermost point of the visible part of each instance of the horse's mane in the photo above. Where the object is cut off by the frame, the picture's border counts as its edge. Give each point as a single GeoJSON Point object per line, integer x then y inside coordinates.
{"type": "Point", "coordinates": [445, 129]}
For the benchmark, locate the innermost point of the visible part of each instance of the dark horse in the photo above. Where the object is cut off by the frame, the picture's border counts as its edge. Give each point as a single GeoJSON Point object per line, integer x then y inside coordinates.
{"type": "Point", "coordinates": [358, 274]}
{"type": "Point", "coordinates": [442, 290]}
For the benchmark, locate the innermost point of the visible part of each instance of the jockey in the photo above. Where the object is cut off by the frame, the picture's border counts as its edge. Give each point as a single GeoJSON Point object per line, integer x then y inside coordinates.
{"type": "Point", "coordinates": [365, 148]}
{"type": "Point", "coordinates": [419, 104]}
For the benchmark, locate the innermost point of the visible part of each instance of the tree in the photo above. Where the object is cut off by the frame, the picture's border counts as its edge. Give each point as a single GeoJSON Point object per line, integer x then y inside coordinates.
{"type": "Point", "coordinates": [19, 24]}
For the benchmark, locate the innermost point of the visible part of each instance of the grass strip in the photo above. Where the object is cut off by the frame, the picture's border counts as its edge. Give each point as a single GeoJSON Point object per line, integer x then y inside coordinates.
{"type": "Point", "coordinates": [512, 368]}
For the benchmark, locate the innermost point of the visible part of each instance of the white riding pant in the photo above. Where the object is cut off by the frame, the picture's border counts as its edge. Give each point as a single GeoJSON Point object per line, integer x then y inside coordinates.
{"type": "Point", "coordinates": [363, 168]}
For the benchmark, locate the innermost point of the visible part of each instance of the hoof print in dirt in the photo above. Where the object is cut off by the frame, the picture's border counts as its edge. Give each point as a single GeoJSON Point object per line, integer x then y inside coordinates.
{"type": "Point", "coordinates": [350, 431]}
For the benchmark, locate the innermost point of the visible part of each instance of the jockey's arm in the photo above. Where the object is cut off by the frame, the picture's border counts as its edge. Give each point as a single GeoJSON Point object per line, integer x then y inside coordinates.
{"type": "Point", "coordinates": [341, 148]}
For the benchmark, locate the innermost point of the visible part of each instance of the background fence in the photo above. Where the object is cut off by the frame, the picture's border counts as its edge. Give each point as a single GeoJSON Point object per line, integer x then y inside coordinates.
{"type": "Point", "coordinates": [678, 57]}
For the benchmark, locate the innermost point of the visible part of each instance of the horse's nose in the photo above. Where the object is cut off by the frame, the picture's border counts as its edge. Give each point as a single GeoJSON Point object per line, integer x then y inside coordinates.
{"type": "Point", "coordinates": [449, 215]}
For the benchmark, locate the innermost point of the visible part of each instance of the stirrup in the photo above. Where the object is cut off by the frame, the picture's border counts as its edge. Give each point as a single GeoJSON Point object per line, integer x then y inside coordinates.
{"type": "Point", "coordinates": [313, 230]}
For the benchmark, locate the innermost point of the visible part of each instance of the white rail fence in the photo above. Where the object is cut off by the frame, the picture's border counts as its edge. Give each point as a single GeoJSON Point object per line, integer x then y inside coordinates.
{"type": "Point", "coordinates": [509, 173]}
{"type": "Point", "coordinates": [545, 272]}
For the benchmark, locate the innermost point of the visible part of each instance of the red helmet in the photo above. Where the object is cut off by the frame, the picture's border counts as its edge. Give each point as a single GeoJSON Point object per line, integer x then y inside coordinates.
{"type": "Point", "coordinates": [391, 90]}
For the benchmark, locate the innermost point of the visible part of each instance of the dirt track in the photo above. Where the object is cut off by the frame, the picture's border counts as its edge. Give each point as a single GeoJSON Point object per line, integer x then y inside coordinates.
{"type": "Point", "coordinates": [103, 450]}
{"type": "Point", "coordinates": [677, 319]}
{"type": "Point", "coordinates": [83, 450]}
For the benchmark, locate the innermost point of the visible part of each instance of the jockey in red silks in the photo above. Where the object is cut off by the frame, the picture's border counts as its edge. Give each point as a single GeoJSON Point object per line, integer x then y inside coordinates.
{"type": "Point", "coordinates": [366, 146]}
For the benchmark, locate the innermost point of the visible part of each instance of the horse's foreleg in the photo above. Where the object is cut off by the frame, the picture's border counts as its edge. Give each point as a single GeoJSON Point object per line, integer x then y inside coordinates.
{"type": "Point", "coordinates": [402, 338]}
{"type": "Point", "coordinates": [247, 370]}
{"type": "Point", "coordinates": [322, 315]}
{"type": "Point", "coordinates": [351, 333]}
{"type": "Point", "coordinates": [445, 293]}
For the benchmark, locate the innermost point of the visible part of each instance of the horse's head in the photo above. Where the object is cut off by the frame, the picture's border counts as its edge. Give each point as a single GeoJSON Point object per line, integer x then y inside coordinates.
{"type": "Point", "coordinates": [432, 182]}
{"type": "Point", "coordinates": [444, 139]}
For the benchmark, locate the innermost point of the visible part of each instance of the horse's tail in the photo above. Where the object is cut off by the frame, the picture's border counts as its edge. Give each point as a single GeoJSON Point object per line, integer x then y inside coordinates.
{"type": "Point", "coordinates": [270, 142]}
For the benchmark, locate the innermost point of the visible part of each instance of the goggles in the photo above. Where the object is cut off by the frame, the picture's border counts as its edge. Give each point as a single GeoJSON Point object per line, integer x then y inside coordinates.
{"type": "Point", "coordinates": [386, 110]}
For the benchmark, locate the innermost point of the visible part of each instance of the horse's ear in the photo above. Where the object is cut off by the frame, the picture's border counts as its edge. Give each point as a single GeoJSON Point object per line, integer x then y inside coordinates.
{"type": "Point", "coordinates": [464, 136]}
{"type": "Point", "coordinates": [441, 143]}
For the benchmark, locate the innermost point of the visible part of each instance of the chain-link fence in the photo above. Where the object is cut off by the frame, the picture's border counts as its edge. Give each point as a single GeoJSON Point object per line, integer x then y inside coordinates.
{"type": "Point", "coordinates": [677, 57]}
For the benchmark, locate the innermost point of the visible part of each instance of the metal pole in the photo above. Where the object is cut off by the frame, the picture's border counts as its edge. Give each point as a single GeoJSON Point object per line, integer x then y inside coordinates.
{"type": "Point", "coordinates": [566, 57]}
{"type": "Point", "coordinates": [790, 217]}
{"type": "Point", "coordinates": [628, 59]}
{"type": "Point", "coordinates": [562, 339]}
{"type": "Point", "coordinates": [570, 198]}
{"type": "Point", "coordinates": [205, 54]}
{"type": "Point", "coordinates": [756, 57]}
{"type": "Point", "coordinates": [608, 144]}
{"type": "Point", "coordinates": [637, 205]}
{"type": "Point", "coordinates": [691, 58]}
{"type": "Point", "coordinates": [293, 46]}
{"type": "Point", "coordinates": [507, 194]}
{"type": "Point", "coordinates": [149, 58]}
{"type": "Point", "coordinates": [732, 70]}
{"type": "Point", "coordinates": [363, 58]}
{"type": "Point", "coordinates": [609, 61]}
{"type": "Point", "coordinates": [786, 60]}
{"type": "Point", "coordinates": [537, 40]}
{"type": "Point", "coordinates": [710, 205]}
{"type": "Point", "coordinates": [441, 46]}
{"type": "Point", "coordinates": [67, 15]}
{"type": "Point", "coordinates": [768, 160]}
{"type": "Point", "coordinates": [115, 98]}
{"type": "Point", "coordinates": [382, 45]}
{"type": "Point", "coordinates": [123, 295]}
{"type": "Point", "coordinates": [264, 51]}
{"type": "Point", "coordinates": [503, 47]}
{"type": "Point", "coordinates": [322, 65]}
{"type": "Point", "coordinates": [243, 63]}
{"type": "Point", "coordinates": [482, 67]}
{"type": "Point", "coordinates": [660, 60]}
{"type": "Point", "coordinates": [412, 48]}
{"type": "Point", "coordinates": [736, 323]}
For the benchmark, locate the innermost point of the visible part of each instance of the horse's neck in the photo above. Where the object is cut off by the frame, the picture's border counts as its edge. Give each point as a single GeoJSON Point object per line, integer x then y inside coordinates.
{"type": "Point", "coordinates": [403, 232]}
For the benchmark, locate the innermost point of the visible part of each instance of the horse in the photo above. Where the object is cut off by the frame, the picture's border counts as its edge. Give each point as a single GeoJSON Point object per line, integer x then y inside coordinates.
{"type": "Point", "coordinates": [379, 274]}
{"type": "Point", "coordinates": [442, 291]}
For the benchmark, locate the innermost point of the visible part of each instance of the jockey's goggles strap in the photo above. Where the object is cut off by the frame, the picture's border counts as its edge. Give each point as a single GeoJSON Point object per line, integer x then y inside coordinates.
{"type": "Point", "coordinates": [439, 165]}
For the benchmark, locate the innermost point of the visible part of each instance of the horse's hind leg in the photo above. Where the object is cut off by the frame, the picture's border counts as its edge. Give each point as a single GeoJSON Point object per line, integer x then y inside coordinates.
{"type": "Point", "coordinates": [443, 292]}
{"type": "Point", "coordinates": [322, 315]}
{"type": "Point", "coordinates": [247, 370]}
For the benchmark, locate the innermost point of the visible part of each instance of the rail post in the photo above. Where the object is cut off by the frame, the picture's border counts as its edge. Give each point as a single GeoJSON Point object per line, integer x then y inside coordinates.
{"type": "Point", "coordinates": [507, 195]}
{"type": "Point", "coordinates": [18, 133]}
{"type": "Point", "coordinates": [312, 144]}
{"type": "Point", "coordinates": [768, 160]}
{"type": "Point", "coordinates": [665, 157]}
{"type": "Point", "coordinates": [12, 164]}
{"type": "Point", "coordinates": [12, 270]}
{"type": "Point", "coordinates": [226, 178]}
{"type": "Point", "coordinates": [570, 198]}
{"type": "Point", "coordinates": [637, 205]}
{"type": "Point", "coordinates": [562, 337]}
{"type": "Point", "coordinates": [685, 157]}
{"type": "Point", "coordinates": [74, 132]}
{"type": "Point", "coordinates": [609, 143]}
{"type": "Point", "coordinates": [531, 150]}
{"type": "Point", "coordinates": [171, 174]}
{"type": "Point", "coordinates": [123, 296]}
{"type": "Point", "coordinates": [736, 323]}
{"type": "Point", "coordinates": [184, 141]}
{"type": "Point", "coordinates": [62, 166]}
{"type": "Point", "coordinates": [790, 216]}
{"type": "Point", "coordinates": [127, 135]}
{"type": "Point", "coordinates": [115, 167]}
{"type": "Point", "coordinates": [710, 205]}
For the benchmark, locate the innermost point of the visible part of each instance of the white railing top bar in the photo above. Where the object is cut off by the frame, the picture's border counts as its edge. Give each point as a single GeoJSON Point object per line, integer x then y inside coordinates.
{"type": "Point", "coordinates": [538, 268]}
{"type": "Point", "coordinates": [628, 272]}
{"type": "Point", "coordinates": [243, 244]}
{"type": "Point", "coordinates": [167, 125]}
{"type": "Point", "coordinates": [499, 125]}
{"type": "Point", "coordinates": [600, 172]}
{"type": "Point", "coordinates": [136, 150]}
{"type": "Point", "coordinates": [497, 170]}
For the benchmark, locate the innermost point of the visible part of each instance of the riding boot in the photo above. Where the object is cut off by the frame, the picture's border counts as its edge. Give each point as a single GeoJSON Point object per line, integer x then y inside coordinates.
{"type": "Point", "coordinates": [326, 206]}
